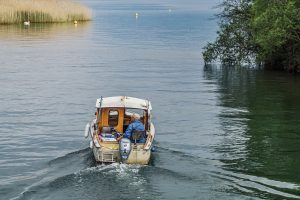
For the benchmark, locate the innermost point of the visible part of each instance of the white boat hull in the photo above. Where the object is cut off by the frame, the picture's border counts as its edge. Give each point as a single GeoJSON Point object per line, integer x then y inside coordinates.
{"type": "Point", "coordinates": [108, 152]}
{"type": "Point", "coordinates": [138, 155]}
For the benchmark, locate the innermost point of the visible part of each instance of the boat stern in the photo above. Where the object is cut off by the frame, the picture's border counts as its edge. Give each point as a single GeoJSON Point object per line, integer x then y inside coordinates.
{"type": "Point", "coordinates": [108, 153]}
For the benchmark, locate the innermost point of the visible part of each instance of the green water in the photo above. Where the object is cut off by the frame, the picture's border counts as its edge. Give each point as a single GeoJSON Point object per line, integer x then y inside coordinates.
{"type": "Point", "coordinates": [266, 115]}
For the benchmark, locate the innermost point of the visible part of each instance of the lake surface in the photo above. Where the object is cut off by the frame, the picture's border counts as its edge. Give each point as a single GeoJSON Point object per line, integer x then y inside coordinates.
{"type": "Point", "coordinates": [222, 133]}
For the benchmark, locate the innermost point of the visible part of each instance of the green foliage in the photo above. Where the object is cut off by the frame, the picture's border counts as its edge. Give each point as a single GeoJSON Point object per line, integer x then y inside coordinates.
{"type": "Point", "coordinates": [233, 37]}
{"type": "Point", "coordinates": [267, 31]}
{"type": "Point", "coordinates": [275, 24]}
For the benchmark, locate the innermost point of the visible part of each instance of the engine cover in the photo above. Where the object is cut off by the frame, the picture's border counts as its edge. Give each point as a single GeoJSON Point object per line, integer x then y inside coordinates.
{"type": "Point", "coordinates": [125, 148]}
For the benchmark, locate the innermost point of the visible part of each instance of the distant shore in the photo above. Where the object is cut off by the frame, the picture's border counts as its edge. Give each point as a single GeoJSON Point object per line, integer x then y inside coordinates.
{"type": "Point", "coordinates": [42, 11]}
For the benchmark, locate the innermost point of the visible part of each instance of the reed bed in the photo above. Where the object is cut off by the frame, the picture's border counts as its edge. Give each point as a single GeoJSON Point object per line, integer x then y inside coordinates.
{"type": "Point", "coordinates": [35, 11]}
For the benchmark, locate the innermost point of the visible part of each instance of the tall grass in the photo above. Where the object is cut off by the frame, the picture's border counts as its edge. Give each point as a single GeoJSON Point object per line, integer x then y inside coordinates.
{"type": "Point", "coordinates": [18, 11]}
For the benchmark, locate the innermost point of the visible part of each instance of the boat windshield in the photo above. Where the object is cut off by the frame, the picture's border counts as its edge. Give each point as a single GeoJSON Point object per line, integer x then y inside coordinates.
{"type": "Point", "coordinates": [129, 112]}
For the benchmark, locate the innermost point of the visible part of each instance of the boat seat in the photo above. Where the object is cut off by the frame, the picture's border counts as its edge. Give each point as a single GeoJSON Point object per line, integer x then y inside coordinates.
{"type": "Point", "coordinates": [137, 135]}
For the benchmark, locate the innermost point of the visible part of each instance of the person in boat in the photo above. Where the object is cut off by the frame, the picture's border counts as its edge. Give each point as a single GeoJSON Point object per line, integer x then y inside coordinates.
{"type": "Point", "coordinates": [135, 125]}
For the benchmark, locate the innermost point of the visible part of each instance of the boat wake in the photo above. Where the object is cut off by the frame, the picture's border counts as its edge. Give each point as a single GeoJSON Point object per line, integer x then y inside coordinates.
{"type": "Point", "coordinates": [250, 185]}
{"type": "Point", "coordinates": [77, 171]}
{"type": "Point", "coordinates": [77, 176]}
{"type": "Point", "coordinates": [261, 185]}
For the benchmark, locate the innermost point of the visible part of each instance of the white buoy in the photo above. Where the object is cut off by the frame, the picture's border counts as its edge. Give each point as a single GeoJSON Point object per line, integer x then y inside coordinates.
{"type": "Point", "coordinates": [136, 15]}
{"type": "Point", "coordinates": [91, 144]}
{"type": "Point", "coordinates": [27, 23]}
{"type": "Point", "coordinates": [75, 22]}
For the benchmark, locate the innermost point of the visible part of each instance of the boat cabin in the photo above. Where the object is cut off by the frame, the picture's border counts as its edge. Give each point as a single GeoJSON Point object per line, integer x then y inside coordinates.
{"type": "Point", "coordinates": [116, 112]}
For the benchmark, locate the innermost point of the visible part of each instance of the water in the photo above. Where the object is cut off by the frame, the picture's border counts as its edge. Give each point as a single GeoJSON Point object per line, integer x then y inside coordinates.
{"type": "Point", "coordinates": [222, 133]}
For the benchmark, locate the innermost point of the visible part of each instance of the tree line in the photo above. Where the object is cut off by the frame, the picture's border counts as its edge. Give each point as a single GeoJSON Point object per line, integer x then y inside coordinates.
{"type": "Point", "coordinates": [260, 32]}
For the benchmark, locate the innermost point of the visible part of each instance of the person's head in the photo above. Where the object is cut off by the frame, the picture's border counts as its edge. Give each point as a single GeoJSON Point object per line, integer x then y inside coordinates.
{"type": "Point", "coordinates": [135, 117]}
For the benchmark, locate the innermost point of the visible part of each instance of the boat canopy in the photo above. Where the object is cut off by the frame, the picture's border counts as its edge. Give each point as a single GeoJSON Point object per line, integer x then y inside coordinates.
{"type": "Point", "coordinates": [123, 101]}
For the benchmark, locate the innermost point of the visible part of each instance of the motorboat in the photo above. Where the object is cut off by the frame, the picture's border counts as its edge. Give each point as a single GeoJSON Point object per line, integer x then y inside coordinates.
{"type": "Point", "coordinates": [112, 117]}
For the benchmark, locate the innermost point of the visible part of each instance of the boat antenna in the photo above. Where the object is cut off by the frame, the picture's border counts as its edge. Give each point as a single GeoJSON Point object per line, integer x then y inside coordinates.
{"type": "Point", "coordinates": [147, 104]}
{"type": "Point", "coordinates": [101, 98]}
{"type": "Point", "coordinates": [99, 108]}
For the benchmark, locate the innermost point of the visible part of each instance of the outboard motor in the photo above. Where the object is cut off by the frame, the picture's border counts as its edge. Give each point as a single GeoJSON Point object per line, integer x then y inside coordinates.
{"type": "Point", "coordinates": [125, 148]}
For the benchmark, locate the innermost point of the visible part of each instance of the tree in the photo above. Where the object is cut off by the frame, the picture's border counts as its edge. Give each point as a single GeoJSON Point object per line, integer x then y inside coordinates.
{"type": "Point", "coordinates": [276, 30]}
{"type": "Point", "coordinates": [265, 31]}
{"type": "Point", "coordinates": [234, 43]}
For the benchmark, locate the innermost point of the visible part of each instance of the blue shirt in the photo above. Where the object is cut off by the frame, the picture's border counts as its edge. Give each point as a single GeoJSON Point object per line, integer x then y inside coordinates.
{"type": "Point", "coordinates": [136, 125]}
